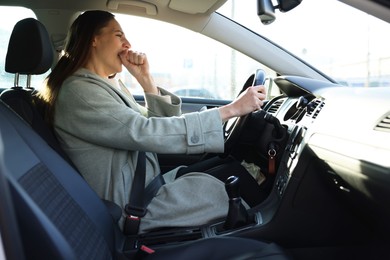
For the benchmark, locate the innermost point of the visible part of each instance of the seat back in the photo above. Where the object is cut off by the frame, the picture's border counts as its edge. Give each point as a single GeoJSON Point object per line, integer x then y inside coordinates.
{"type": "Point", "coordinates": [59, 215]}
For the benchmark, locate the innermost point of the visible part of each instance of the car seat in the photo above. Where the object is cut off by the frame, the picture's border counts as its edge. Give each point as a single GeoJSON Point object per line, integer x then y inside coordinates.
{"type": "Point", "coordinates": [60, 217]}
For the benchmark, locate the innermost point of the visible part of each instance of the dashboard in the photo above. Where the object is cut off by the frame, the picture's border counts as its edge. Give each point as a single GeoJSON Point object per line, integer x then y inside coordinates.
{"type": "Point", "coordinates": [345, 129]}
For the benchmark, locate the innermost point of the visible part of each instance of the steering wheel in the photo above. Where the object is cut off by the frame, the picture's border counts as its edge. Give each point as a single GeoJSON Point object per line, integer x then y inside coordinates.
{"type": "Point", "coordinates": [234, 127]}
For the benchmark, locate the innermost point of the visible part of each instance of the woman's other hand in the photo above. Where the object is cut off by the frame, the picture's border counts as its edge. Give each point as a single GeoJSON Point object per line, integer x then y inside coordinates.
{"type": "Point", "coordinates": [248, 101]}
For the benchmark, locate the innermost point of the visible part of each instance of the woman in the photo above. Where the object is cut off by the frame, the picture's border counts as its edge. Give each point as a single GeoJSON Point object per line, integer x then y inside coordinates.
{"type": "Point", "coordinates": [102, 128]}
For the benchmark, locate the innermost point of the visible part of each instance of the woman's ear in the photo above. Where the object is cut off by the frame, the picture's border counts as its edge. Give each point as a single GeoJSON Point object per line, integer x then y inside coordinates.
{"type": "Point", "coordinates": [94, 42]}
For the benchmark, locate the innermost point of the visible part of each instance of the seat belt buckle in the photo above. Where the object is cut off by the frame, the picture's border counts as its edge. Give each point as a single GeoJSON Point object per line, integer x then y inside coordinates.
{"type": "Point", "coordinates": [131, 225]}
{"type": "Point", "coordinates": [133, 219]}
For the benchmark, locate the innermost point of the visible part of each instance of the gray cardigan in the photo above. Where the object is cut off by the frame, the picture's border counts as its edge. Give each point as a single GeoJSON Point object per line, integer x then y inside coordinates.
{"type": "Point", "coordinates": [102, 129]}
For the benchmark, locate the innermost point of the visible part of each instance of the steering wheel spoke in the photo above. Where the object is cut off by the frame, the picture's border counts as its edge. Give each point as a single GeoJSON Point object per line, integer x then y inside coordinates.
{"type": "Point", "coordinates": [234, 127]}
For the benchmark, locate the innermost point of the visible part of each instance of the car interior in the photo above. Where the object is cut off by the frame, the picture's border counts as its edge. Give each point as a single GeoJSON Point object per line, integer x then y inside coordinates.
{"type": "Point", "coordinates": [323, 151]}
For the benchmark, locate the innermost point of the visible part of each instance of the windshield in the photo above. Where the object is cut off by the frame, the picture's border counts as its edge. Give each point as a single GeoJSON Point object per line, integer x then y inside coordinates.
{"type": "Point", "coordinates": [344, 43]}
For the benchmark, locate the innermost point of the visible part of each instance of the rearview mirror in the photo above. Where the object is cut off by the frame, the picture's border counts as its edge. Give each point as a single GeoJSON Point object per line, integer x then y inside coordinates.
{"type": "Point", "coordinates": [266, 9]}
{"type": "Point", "coordinates": [287, 5]}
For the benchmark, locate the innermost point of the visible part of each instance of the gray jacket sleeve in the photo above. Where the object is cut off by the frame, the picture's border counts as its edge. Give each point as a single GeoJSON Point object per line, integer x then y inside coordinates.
{"type": "Point", "coordinates": [161, 106]}
{"type": "Point", "coordinates": [86, 108]}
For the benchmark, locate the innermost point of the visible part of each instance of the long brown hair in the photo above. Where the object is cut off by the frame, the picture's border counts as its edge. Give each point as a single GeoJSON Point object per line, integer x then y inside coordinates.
{"type": "Point", "coordinates": [75, 55]}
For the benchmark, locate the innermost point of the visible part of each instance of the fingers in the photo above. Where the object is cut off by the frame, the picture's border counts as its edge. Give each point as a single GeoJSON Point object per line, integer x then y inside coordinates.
{"type": "Point", "coordinates": [258, 94]}
{"type": "Point", "coordinates": [135, 62]}
{"type": "Point", "coordinates": [136, 58]}
{"type": "Point", "coordinates": [249, 101]}
{"type": "Point", "coordinates": [260, 89]}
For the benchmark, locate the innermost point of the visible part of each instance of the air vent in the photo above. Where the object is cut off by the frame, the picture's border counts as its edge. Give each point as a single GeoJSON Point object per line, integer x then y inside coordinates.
{"type": "Point", "coordinates": [275, 106]}
{"type": "Point", "coordinates": [314, 108]}
{"type": "Point", "coordinates": [384, 124]}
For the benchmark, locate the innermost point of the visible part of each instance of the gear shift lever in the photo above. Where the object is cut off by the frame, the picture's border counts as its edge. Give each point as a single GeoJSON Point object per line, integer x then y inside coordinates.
{"type": "Point", "coordinates": [237, 215]}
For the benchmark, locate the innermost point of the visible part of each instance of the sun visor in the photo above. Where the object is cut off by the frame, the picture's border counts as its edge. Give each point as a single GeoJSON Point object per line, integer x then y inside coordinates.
{"type": "Point", "coordinates": [195, 7]}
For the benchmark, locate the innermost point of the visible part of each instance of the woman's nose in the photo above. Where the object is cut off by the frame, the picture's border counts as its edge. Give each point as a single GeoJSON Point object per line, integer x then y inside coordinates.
{"type": "Point", "coordinates": [126, 43]}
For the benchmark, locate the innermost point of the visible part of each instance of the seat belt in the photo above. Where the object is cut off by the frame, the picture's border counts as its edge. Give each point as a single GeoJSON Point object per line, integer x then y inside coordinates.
{"type": "Point", "coordinates": [135, 209]}
{"type": "Point", "coordinates": [140, 197]}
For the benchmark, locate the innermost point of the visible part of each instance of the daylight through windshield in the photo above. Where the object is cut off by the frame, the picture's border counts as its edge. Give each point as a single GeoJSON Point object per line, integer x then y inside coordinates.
{"type": "Point", "coordinates": [344, 43]}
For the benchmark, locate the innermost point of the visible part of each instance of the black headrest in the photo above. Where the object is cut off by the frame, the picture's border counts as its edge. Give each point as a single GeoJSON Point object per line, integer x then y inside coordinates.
{"type": "Point", "coordinates": [29, 49]}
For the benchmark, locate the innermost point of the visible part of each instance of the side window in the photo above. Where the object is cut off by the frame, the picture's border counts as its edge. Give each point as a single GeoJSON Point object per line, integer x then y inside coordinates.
{"type": "Point", "coordinates": [9, 17]}
{"type": "Point", "coordinates": [184, 62]}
